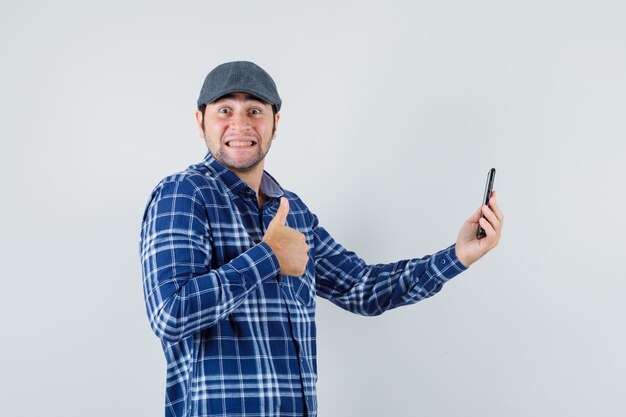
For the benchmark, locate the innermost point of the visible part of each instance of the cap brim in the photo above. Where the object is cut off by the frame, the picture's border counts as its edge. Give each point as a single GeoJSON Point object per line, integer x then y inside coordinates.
{"type": "Point", "coordinates": [225, 92]}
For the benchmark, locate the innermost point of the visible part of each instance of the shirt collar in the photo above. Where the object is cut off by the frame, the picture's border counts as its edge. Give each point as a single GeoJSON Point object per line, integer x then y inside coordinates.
{"type": "Point", "coordinates": [269, 186]}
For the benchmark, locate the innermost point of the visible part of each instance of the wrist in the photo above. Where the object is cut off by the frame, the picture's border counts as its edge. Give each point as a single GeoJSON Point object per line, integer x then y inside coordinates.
{"type": "Point", "coordinates": [462, 258]}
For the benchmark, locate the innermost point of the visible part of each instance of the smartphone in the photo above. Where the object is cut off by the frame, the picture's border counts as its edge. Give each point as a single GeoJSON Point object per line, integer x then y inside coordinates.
{"type": "Point", "coordinates": [488, 188]}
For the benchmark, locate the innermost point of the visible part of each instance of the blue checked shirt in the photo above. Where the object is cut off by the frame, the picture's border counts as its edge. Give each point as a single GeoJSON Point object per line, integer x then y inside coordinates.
{"type": "Point", "coordinates": [238, 337]}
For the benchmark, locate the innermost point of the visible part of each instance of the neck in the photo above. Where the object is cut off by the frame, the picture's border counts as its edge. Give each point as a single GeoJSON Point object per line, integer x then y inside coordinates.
{"type": "Point", "coordinates": [253, 177]}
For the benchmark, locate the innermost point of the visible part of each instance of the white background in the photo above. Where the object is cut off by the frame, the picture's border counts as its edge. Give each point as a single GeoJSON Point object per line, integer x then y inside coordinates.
{"type": "Point", "coordinates": [393, 113]}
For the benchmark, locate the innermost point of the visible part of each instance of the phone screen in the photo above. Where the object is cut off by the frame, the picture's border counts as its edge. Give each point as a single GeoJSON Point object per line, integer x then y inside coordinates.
{"type": "Point", "coordinates": [488, 188]}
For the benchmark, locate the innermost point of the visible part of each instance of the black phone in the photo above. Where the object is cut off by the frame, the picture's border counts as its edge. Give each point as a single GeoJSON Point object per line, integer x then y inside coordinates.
{"type": "Point", "coordinates": [488, 188]}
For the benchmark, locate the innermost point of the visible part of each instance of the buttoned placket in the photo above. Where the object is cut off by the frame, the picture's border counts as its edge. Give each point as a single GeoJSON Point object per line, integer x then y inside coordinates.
{"type": "Point", "coordinates": [251, 199]}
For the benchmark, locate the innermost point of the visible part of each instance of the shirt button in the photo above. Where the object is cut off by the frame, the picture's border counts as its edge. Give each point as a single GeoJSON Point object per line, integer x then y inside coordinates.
{"type": "Point", "coordinates": [443, 261]}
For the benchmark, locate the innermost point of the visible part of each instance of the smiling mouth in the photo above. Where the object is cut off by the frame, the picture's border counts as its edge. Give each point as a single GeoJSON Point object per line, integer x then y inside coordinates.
{"type": "Point", "coordinates": [240, 143]}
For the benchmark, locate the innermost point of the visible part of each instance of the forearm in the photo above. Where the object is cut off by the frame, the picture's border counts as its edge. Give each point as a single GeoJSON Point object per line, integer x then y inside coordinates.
{"type": "Point", "coordinates": [184, 291]}
{"type": "Point", "coordinates": [180, 304]}
{"type": "Point", "coordinates": [346, 280]}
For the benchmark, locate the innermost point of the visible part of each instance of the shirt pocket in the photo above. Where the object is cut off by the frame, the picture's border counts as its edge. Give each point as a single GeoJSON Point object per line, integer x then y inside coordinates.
{"type": "Point", "coordinates": [304, 285]}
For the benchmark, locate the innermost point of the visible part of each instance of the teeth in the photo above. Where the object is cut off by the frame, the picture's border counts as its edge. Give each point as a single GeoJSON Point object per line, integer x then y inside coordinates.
{"type": "Point", "coordinates": [240, 143]}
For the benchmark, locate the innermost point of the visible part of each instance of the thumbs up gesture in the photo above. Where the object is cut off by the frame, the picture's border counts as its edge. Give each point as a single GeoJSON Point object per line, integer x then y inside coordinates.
{"type": "Point", "coordinates": [288, 244]}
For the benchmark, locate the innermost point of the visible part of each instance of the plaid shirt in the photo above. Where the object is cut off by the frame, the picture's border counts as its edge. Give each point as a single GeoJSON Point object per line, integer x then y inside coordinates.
{"type": "Point", "coordinates": [238, 337]}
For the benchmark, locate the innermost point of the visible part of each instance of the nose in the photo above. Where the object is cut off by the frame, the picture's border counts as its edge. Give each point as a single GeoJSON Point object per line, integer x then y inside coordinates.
{"type": "Point", "coordinates": [239, 120]}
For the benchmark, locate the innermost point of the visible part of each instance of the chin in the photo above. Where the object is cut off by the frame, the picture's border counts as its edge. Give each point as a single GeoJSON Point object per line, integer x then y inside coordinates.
{"type": "Point", "coordinates": [242, 167]}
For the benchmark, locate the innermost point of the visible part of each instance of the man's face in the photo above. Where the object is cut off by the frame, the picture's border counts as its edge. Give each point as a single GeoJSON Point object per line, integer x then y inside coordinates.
{"type": "Point", "coordinates": [238, 130]}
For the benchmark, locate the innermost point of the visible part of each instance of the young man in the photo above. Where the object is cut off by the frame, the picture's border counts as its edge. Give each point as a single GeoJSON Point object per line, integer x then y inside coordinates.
{"type": "Point", "coordinates": [232, 263]}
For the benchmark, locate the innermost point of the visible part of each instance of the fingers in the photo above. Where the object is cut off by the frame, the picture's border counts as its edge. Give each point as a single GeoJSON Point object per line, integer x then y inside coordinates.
{"type": "Point", "coordinates": [492, 223]}
{"type": "Point", "coordinates": [295, 235]}
{"type": "Point", "coordinates": [490, 215]}
{"type": "Point", "coordinates": [495, 208]}
{"type": "Point", "coordinates": [489, 230]}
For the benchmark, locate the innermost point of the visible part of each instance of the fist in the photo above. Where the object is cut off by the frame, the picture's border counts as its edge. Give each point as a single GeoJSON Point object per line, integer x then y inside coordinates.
{"type": "Point", "coordinates": [468, 248]}
{"type": "Point", "coordinates": [288, 244]}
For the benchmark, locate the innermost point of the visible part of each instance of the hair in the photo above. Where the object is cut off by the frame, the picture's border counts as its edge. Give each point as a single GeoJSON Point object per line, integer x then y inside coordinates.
{"type": "Point", "coordinates": [202, 109]}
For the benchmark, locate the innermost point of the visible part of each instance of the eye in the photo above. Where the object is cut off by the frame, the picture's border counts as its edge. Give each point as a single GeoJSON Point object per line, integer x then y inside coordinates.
{"type": "Point", "coordinates": [223, 110]}
{"type": "Point", "coordinates": [255, 111]}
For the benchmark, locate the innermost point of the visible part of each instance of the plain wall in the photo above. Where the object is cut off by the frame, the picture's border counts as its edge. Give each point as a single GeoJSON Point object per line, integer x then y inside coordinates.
{"type": "Point", "coordinates": [393, 113]}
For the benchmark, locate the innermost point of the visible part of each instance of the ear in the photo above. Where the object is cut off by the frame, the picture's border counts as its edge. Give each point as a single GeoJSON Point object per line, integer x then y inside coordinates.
{"type": "Point", "coordinates": [199, 121]}
{"type": "Point", "coordinates": [276, 119]}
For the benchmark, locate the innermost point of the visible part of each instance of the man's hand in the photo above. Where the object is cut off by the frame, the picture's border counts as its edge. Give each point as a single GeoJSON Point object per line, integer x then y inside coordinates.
{"type": "Point", "coordinates": [289, 245]}
{"type": "Point", "coordinates": [468, 248]}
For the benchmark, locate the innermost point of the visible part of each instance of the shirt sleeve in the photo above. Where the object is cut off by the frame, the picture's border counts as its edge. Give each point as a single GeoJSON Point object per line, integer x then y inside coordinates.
{"type": "Point", "coordinates": [183, 294]}
{"type": "Point", "coordinates": [347, 281]}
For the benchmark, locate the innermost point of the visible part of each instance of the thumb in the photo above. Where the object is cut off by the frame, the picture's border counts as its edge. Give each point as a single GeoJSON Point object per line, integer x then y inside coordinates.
{"type": "Point", "coordinates": [281, 215]}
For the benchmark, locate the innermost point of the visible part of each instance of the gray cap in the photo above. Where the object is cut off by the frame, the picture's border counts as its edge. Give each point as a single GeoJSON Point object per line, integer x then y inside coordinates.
{"type": "Point", "coordinates": [239, 76]}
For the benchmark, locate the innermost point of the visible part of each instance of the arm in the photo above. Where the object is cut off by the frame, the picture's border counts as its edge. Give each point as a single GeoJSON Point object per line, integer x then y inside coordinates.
{"type": "Point", "coordinates": [347, 281]}
{"type": "Point", "coordinates": [183, 294]}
